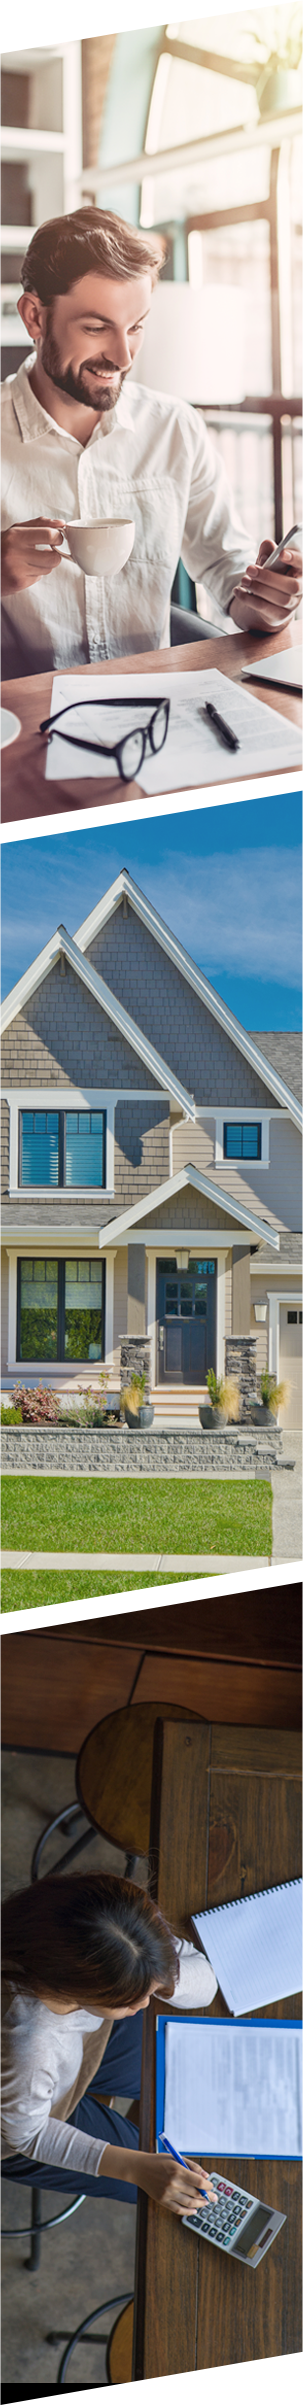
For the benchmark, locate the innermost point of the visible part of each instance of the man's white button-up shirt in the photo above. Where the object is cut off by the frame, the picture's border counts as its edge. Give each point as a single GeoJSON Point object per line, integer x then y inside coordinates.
{"type": "Point", "coordinates": [151, 459]}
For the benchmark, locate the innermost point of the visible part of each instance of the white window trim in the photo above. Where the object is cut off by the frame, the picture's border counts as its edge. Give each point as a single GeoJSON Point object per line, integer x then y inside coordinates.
{"type": "Point", "coordinates": [69, 1098]}
{"type": "Point", "coordinates": [48, 1369]}
{"type": "Point", "coordinates": [59, 1098]}
{"type": "Point", "coordinates": [239, 1118]}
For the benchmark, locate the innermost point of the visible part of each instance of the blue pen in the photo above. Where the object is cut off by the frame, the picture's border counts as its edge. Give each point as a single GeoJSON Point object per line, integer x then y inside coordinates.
{"type": "Point", "coordinates": [178, 2158]}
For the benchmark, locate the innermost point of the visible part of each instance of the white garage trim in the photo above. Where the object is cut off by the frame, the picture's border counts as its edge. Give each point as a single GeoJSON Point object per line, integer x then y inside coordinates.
{"type": "Point", "coordinates": [289, 1295]}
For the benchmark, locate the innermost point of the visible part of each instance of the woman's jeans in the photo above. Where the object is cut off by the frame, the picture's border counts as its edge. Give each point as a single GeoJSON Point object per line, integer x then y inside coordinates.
{"type": "Point", "coordinates": [120, 2075]}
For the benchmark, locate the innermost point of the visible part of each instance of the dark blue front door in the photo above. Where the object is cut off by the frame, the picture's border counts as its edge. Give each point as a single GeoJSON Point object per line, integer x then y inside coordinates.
{"type": "Point", "coordinates": [186, 1322]}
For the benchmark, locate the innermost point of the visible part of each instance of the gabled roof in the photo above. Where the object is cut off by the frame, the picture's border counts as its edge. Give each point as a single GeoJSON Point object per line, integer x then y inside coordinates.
{"type": "Point", "coordinates": [124, 884]}
{"type": "Point", "coordinates": [40, 968]}
{"type": "Point", "coordinates": [204, 1185]}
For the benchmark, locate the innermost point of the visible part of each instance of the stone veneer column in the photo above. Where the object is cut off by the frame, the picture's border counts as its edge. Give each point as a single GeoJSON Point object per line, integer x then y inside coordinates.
{"type": "Point", "coordinates": [135, 1354]}
{"type": "Point", "coordinates": [240, 1363]}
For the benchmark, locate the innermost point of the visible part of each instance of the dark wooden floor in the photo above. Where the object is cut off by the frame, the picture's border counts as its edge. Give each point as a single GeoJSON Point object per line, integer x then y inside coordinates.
{"type": "Point", "coordinates": [235, 1659]}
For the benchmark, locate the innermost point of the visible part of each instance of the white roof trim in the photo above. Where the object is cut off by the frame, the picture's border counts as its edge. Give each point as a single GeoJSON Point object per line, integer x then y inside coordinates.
{"type": "Point", "coordinates": [124, 884]}
{"type": "Point", "coordinates": [204, 1185]}
{"type": "Point", "coordinates": [27, 985]}
{"type": "Point", "coordinates": [289, 1269]}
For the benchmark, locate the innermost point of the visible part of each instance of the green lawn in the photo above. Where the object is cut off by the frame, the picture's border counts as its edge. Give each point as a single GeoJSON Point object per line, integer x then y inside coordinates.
{"type": "Point", "coordinates": [29, 1590]}
{"type": "Point", "coordinates": [165, 1515]}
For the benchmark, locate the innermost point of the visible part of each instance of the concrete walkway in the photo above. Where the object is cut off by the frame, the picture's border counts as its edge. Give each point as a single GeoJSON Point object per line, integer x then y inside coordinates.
{"type": "Point", "coordinates": [287, 1502]}
{"type": "Point", "coordinates": [188, 1563]}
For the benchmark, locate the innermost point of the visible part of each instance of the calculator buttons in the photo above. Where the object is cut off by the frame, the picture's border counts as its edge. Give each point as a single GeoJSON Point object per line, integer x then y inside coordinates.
{"type": "Point", "coordinates": [219, 2221]}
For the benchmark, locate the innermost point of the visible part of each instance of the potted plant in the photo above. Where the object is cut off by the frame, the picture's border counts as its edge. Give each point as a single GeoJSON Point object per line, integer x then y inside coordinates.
{"type": "Point", "coordinates": [272, 1399]}
{"type": "Point", "coordinates": [224, 1402]}
{"type": "Point", "coordinates": [138, 1414]}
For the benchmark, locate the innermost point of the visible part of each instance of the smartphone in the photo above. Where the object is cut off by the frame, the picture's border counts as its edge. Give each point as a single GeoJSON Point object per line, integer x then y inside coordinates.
{"type": "Point", "coordinates": [282, 547]}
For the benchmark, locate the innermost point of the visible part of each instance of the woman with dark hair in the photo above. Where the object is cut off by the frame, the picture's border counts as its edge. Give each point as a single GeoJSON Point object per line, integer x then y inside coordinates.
{"type": "Point", "coordinates": [81, 1958]}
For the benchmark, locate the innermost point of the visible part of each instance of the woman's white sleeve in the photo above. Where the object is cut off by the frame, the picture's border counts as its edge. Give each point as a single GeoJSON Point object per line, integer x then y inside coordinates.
{"type": "Point", "coordinates": [197, 1983]}
{"type": "Point", "coordinates": [28, 2125]}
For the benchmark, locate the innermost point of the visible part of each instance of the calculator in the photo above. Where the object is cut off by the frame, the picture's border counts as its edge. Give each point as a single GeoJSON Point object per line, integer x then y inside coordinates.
{"type": "Point", "coordinates": [237, 2223]}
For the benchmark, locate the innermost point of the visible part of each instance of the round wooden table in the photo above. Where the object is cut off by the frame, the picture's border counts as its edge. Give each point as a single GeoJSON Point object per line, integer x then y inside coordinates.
{"type": "Point", "coordinates": [120, 2348]}
{"type": "Point", "coordinates": [114, 1773]}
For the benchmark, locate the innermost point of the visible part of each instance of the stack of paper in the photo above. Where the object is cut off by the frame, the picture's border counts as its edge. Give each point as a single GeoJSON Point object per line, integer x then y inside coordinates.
{"type": "Point", "coordinates": [193, 754]}
{"type": "Point", "coordinates": [233, 2090]}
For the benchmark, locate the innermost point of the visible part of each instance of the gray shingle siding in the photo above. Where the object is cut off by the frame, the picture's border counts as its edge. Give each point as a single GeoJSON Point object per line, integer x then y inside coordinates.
{"type": "Point", "coordinates": [164, 1005]}
{"type": "Point", "coordinates": [190, 1210]}
{"type": "Point", "coordinates": [141, 1149]}
{"type": "Point", "coordinates": [64, 1038]}
{"type": "Point", "coordinates": [141, 1162]}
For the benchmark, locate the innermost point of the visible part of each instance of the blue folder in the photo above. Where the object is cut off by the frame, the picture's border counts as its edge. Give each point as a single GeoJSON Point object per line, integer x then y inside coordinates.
{"type": "Point", "coordinates": [208, 2023]}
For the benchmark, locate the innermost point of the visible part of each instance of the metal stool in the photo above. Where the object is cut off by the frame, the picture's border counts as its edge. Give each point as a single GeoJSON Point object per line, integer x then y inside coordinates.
{"type": "Point", "coordinates": [118, 2342]}
{"type": "Point", "coordinates": [71, 1812]}
{"type": "Point", "coordinates": [35, 2226]}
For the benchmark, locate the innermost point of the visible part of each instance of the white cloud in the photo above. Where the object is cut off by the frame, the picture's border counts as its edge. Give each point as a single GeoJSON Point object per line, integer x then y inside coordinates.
{"type": "Point", "coordinates": [239, 911]}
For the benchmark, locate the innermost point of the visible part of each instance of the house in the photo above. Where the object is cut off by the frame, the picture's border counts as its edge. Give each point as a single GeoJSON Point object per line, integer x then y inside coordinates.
{"type": "Point", "coordinates": [151, 1168]}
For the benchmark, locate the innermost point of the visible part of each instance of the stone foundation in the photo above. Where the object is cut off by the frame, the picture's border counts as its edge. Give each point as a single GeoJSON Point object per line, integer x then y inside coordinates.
{"type": "Point", "coordinates": [240, 1363]}
{"type": "Point", "coordinates": [135, 1356]}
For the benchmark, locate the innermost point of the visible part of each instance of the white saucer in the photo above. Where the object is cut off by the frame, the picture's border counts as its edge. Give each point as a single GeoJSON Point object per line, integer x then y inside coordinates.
{"type": "Point", "coordinates": [9, 727]}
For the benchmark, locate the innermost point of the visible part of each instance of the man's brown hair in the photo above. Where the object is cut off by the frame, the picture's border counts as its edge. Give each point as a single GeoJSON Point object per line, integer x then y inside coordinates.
{"type": "Point", "coordinates": [67, 248]}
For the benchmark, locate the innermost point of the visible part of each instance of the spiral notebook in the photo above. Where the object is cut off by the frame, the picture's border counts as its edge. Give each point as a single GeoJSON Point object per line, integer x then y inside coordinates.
{"type": "Point", "coordinates": [255, 1946]}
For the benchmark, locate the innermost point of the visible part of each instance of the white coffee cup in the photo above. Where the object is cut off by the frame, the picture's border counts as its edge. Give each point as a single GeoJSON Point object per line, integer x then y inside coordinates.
{"type": "Point", "coordinates": [101, 547]}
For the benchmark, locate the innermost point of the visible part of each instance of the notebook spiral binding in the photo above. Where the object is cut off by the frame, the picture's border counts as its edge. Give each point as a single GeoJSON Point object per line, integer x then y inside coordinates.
{"type": "Point", "coordinates": [280, 1889]}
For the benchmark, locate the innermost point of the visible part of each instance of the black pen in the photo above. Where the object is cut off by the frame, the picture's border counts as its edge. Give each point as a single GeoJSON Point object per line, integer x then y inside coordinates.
{"type": "Point", "coordinates": [225, 732]}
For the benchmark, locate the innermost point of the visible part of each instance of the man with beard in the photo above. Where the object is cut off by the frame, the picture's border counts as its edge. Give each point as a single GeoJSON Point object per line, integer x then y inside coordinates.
{"type": "Point", "coordinates": [79, 443]}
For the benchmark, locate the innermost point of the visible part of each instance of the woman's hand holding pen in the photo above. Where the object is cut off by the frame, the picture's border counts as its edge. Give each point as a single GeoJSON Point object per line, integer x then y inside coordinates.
{"type": "Point", "coordinates": [266, 598]}
{"type": "Point", "coordinates": [176, 2185]}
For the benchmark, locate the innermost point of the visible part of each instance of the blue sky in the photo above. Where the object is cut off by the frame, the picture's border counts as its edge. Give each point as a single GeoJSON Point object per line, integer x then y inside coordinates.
{"type": "Point", "coordinates": [228, 882]}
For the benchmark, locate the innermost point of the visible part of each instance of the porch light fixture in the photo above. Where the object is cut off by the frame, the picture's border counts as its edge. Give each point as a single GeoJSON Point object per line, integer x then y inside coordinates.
{"type": "Point", "coordinates": [182, 1260]}
{"type": "Point", "coordinates": [260, 1310]}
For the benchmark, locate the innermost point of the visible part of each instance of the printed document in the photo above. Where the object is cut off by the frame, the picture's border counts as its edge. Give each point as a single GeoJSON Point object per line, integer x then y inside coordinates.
{"type": "Point", "coordinates": [193, 753]}
{"type": "Point", "coordinates": [233, 2090]}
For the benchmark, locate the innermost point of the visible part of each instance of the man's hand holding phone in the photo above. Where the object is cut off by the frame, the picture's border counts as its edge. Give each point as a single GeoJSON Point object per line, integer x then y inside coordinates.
{"type": "Point", "coordinates": [270, 590]}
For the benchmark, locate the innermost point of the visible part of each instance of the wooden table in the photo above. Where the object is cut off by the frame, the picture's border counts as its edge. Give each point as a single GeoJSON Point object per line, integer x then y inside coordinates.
{"type": "Point", "coordinates": [226, 1819]}
{"type": "Point", "coordinates": [240, 1664]}
{"type": "Point", "coordinates": [25, 793]}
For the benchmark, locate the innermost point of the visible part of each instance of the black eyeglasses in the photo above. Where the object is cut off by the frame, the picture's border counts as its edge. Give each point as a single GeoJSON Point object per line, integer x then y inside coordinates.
{"type": "Point", "coordinates": [130, 753]}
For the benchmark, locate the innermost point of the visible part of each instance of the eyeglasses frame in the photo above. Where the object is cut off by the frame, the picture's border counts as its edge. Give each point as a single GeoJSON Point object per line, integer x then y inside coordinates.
{"type": "Point", "coordinates": [111, 751]}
